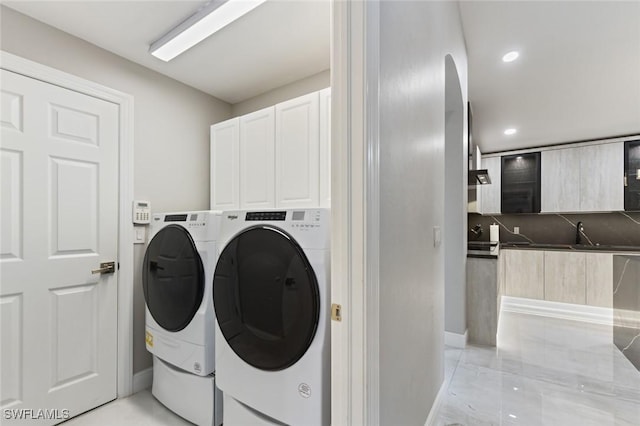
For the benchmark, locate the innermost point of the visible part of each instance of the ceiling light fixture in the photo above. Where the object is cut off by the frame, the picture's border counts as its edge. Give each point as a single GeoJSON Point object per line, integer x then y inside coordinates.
{"type": "Point", "coordinates": [210, 18]}
{"type": "Point", "coordinates": [510, 56]}
{"type": "Point", "coordinates": [510, 132]}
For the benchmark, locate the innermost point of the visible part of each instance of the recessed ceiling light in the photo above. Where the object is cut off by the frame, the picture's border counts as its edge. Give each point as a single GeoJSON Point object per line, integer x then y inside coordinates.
{"type": "Point", "coordinates": [510, 132]}
{"type": "Point", "coordinates": [510, 56]}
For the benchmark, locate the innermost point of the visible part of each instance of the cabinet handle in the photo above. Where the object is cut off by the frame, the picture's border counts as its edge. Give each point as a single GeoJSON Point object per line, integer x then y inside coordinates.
{"type": "Point", "coordinates": [625, 179]}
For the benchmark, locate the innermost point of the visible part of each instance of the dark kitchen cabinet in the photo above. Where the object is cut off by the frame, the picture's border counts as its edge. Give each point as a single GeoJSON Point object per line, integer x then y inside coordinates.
{"type": "Point", "coordinates": [632, 175]}
{"type": "Point", "coordinates": [521, 183]}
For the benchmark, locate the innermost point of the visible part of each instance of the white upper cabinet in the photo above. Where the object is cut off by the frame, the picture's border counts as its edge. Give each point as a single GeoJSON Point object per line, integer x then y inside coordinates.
{"type": "Point", "coordinates": [297, 152]}
{"type": "Point", "coordinates": [325, 147]}
{"type": "Point", "coordinates": [491, 194]}
{"type": "Point", "coordinates": [602, 177]}
{"type": "Point", "coordinates": [224, 165]}
{"type": "Point", "coordinates": [257, 159]}
{"type": "Point", "coordinates": [560, 175]}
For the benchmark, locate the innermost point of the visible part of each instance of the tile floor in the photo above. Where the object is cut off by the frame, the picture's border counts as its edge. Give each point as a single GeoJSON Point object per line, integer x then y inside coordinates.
{"type": "Point", "coordinates": [544, 371]}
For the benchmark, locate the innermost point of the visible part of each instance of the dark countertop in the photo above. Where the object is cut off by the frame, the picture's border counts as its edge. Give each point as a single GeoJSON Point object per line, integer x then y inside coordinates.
{"type": "Point", "coordinates": [570, 247]}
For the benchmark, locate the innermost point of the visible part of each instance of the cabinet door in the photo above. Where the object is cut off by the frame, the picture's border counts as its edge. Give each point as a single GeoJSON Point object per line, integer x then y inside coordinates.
{"type": "Point", "coordinates": [257, 159]}
{"type": "Point", "coordinates": [599, 271]}
{"type": "Point", "coordinates": [564, 277]}
{"type": "Point", "coordinates": [325, 147]}
{"type": "Point", "coordinates": [602, 177]}
{"type": "Point", "coordinates": [297, 152]}
{"type": "Point", "coordinates": [632, 173]}
{"type": "Point", "coordinates": [524, 273]}
{"type": "Point", "coordinates": [224, 165]}
{"type": "Point", "coordinates": [491, 193]}
{"type": "Point", "coordinates": [561, 180]}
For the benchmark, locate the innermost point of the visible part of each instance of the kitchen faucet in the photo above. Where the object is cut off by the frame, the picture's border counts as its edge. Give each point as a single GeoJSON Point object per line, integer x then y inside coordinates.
{"type": "Point", "coordinates": [579, 232]}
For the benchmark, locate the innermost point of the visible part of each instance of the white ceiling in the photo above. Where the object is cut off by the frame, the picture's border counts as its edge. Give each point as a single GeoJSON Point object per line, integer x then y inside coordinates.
{"type": "Point", "coordinates": [277, 43]}
{"type": "Point", "coordinates": [577, 78]}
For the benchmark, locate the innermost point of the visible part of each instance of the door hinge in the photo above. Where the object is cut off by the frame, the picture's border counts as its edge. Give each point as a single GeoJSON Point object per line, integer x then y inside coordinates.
{"type": "Point", "coordinates": [336, 312]}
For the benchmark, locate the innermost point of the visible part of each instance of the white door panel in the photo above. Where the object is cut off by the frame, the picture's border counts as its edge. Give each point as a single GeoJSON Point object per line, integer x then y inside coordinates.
{"type": "Point", "coordinates": [224, 165]}
{"type": "Point", "coordinates": [325, 147]}
{"type": "Point", "coordinates": [257, 159]}
{"type": "Point", "coordinates": [59, 218]}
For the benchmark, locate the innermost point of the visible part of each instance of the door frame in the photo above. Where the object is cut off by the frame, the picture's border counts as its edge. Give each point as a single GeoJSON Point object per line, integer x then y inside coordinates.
{"type": "Point", "coordinates": [28, 68]}
{"type": "Point", "coordinates": [355, 212]}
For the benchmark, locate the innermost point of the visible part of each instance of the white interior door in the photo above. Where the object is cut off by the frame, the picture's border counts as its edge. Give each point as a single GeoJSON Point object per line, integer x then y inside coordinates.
{"type": "Point", "coordinates": [59, 218]}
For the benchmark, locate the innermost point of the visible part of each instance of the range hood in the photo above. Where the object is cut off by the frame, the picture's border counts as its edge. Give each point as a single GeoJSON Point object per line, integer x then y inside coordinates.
{"type": "Point", "coordinates": [479, 177]}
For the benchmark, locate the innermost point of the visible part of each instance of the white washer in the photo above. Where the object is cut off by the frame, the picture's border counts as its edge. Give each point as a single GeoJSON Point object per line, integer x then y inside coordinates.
{"type": "Point", "coordinates": [177, 277]}
{"type": "Point", "coordinates": [271, 296]}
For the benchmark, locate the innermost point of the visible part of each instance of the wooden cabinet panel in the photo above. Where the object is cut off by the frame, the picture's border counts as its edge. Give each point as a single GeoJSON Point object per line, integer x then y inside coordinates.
{"type": "Point", "coordinates": [524, 273]}
{"type": "Point", "coordinates": [564, 277]}
{"type": "Point", "coordinates": [225, 175]}
{"type": "Point", "coordinates": [325, 147]}
{"type": "Point", "coordinates": [257, 159]}
{"type": "Point", "coordinates": [599, 272]}
{"type": "Point", "coordinates": [561, 180]}
{"type": "Point", "coordinates": [602, 177]}
{"type": "Point", "coordinates": [491, 193]}
{"type": "Point", "coordinates": [297, 152]}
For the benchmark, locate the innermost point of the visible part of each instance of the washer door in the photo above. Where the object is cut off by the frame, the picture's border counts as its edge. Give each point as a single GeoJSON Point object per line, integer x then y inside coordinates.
{"type": "Point", "coordinates": [172, 278]}
{"type": "Point", "coordinates": [266, 298]}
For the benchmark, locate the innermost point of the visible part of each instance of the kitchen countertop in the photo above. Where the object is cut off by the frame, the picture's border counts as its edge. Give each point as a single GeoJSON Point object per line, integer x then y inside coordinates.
{"type": "Point", "coordinates": [570, 247]}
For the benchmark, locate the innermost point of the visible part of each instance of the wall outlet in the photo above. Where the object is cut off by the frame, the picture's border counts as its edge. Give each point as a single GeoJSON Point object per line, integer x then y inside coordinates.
{"type": "Point", "coordinates": [516, 230]}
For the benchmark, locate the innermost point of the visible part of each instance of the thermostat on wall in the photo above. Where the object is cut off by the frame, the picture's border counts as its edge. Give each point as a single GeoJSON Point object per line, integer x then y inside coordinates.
{"type": "Point", "coordinates": [141, 212]}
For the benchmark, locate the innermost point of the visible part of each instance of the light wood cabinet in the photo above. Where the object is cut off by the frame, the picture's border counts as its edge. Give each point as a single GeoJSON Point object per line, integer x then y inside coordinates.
{"type": "Point", "coordinates": [491, 194]}
{"type": "Point", "coordinates": [257, 159]}
{"type": "Point", "coordinates": [225, 178]}
{"type": "Point", "coordinates": [297, 152]}
{"type": "Point", "coordinates": [602, 177]}
{"type": "Point", "coordinates": [599, 273]}
{"type": "Point", "coordinates": [524, 273]}
{"type": "Point", "coordinates": [564, 277]}
{"type": "Point", "coordinates": [560, 180]}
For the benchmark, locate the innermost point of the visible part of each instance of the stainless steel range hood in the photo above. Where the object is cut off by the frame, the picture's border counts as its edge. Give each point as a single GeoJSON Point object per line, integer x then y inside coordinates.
{"type": "Point", "coordinates": [479, 177]}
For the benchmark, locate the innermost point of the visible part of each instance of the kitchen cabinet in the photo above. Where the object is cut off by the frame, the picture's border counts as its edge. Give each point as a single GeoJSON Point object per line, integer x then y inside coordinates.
{"type": "Point", "coordinates": [325, 147]}
{"type": "Point", "coordinates": [599, 276]}
{"type": "Point", "coordinates": [632, 175]}
{"type": "Point", "coordinates": [524, 273]}
{"type": "Point", "coordinates": [602, 177]}
{"type": "Point", "coordinates": [297, 152]}
{"type": "Point", "coordinates": [490, 194]}
{"type": "Point", "coordinates": [560, 177]}
{"type": "Point", "coordinates": [521, 183]}
{"type": "Point", "coordinates": [257, 159]}
{"type": "Point", "coordinates": [564, 277]}
{"type": "Point", "coordinates": [225, 178]}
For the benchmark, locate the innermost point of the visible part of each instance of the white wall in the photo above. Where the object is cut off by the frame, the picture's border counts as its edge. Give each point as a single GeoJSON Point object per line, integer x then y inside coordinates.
{"type": "Point", "coordinates": [455, 203]}
{"type": "Point", "coordinates": [171, 139]}
{"type": "Point", "coordinates": [293, 90]}
{"type": "Point", "coordinates": [415, 37]}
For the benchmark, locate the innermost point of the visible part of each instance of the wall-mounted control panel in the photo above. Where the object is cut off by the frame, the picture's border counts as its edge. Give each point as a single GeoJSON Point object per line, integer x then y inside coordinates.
{"type": "Point", "coordinates": [141, 212]}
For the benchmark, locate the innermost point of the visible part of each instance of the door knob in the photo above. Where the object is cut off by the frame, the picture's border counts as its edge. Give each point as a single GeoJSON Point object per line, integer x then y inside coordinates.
{"type": "Point", "coordinates": [105, 268]}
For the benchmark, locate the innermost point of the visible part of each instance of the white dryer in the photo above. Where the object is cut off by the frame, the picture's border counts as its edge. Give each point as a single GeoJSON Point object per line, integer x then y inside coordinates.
{"type": "Point", "coordinates": [177, 279]}
{"type": "Point", "coordinates": [271, 295]}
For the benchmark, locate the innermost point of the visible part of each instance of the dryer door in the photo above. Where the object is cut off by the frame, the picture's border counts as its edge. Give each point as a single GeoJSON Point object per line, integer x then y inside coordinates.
{"type": "Point", "coordinates": [172, 278]}
{"type": "Point", "coordinates": [266, 298]}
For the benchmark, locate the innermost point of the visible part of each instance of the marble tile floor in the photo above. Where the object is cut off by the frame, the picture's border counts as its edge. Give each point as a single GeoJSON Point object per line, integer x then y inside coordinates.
{"type": "Point", "coordinates": [544, 371]}
{"type": "Point", "coordinates": [140, 409]}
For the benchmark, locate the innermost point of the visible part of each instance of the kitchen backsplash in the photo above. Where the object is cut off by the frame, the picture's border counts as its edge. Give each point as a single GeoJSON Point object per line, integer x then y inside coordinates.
{"type": "Point", "coordinates": [615, 228]}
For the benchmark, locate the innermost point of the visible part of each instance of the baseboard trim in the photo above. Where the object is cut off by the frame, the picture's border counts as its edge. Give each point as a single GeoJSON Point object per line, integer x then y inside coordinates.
{"type": "Point", "coordinates": [545, 308]}
{"type": "Point", "coordinates": [456, 340]}
{"type": "Point", "coordinates": [142, 380]}
{"type": "Point", "coordinates": [433, 413]}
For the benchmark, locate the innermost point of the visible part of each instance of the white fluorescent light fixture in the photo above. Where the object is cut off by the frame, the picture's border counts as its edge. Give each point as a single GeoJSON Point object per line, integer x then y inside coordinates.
{"type": "Point", "coordinates": [510, 56]}
{"type": "Point", "coordinates": [212, 17]}
{"type": "Point", "coordinates": [510, 132]}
